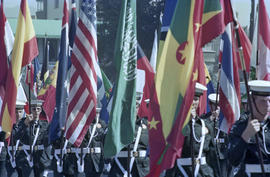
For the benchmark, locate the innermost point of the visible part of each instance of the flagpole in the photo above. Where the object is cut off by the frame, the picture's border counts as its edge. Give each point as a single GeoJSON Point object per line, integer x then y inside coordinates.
{"type": "Point", "coordinates": [236, 27]}
{"type": "Point", "coordinates": [192, 147]}
{"type": "Point", "coordinates": [216, 118]}
{"type": "Point", "coordinates": [29, 107]}
{"type": "Point", "coordinates": [128, 164]}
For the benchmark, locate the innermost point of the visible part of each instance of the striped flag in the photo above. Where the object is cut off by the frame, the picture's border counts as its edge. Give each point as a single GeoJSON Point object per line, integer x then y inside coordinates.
{"type": "Point", "coordinates": [84, 69]}
{"type": "Point", "coordinates": [229, 82]}
{"type": "Point", "coordinates": [24, 51]}
{"type": "Point", "coordinates": [263, 68]}
{"type": "Point", "coordinates": [59, 115]}
{"type": "Point", "coordinates": [6, 45]}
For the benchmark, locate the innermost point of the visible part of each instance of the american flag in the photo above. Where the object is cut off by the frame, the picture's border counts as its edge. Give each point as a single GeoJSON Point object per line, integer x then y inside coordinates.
{"type": "Point", "coordinates": [84, 71]}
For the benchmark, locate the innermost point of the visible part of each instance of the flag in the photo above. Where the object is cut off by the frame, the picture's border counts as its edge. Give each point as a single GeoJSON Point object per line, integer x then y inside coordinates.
{"type": "Point", "coordinates": [72, 30]}
{"type": "Point", "coordinates": [153, 59]}
{"type": "Point", "coordinates": [6, 45]}
{"type": "Point", "coordinates": [246, 45]}
{"type": "Point", "coordinates": [216, 15]}
{"type": "Point", "coordinates": [84, 71]}
{"type": "Point", "coordinates": [202, 80]}
{"type": "Point", "coordinates": [48, 92]}
{"type": "Point", "coordinates": [171, 103]}
{"type": "Point", "coordinates": [166, 21]}
{"type": "Point", "coordinates": [60, 110]}
{"type": "Point", "coordinates": [105, 110]}
{"type": "Point", "coordinates": [144, 65]}
{"type": "Point", "coordinates": [24, 51]}
{"type": "Point", "coordinates": [73, 24]}
{"type": "Point", "coordinates": [210, 87]}
{"type": "Point", "coordinates": [44, 70]}
{"type": "Point", "coordinates": [229, 82]}
{"type": "Point", "coordinates": [34, 76]}
{"type": "Point", "coordinates": [263, 68]}
{"type": "Point", "coordinates": [121, 127]}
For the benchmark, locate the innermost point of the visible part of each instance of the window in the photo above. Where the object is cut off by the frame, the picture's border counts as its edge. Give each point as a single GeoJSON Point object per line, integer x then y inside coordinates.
{"type": "Point", "coordinates": [56, 4]}
{"type": "Point", "coordinates": [40, 6]}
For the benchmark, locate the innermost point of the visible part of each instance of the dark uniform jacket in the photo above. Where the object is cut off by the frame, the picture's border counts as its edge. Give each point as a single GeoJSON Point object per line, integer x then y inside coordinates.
{"type": "Point", "coordinates": [41, 158]}
{"type": "Point", "coordinates": [4, 151]}
{"type": "Point", "coordinates": [217, 148]}
{"type": "Point", "coordinates": [205, 170]}
{"type": "Point", "coordinates": [93, 162]}
{"type": "Point", "coordinates": [241, 153]}
{"type": "Point", "coordinates": [141, 164]}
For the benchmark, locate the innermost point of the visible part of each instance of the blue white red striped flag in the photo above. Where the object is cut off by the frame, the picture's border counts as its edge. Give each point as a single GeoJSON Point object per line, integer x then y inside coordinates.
{"type": "Point", "coordinates": [229, 82]}
{"type": "Point", "coordinates": [84, 71]}
{"type": "Point", "coordinates": [60, 110]}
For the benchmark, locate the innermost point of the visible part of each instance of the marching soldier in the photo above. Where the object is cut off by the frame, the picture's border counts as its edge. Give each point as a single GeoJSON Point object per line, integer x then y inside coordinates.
{"type": "Point", "coordinates": [242, 151]}
{"type": "Point", "coordinates": [2, 153]}
{"type": "Point", "coordinates": [196, 145]}
{"type": "Point", "coordinates": [217, 156]}
{"type": "Point", "coordinates": [33, 151]}
{"type": "Point", "coordinates": [12, 149]}
{"type": "Point", "coordinates": [87, 160]}
{"type": "Point", "coordinates": [139, 160]}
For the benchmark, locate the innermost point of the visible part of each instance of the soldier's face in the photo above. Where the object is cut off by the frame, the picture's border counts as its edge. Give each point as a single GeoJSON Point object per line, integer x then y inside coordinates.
{"type": "Point", "coordinates": [263, 106]}
{"type": "Point", "coordinates": [19, 114]}
{"type": "Point", "coordinates": [36, 110]}
{"type": "Point", "coordinates": [195, 103]}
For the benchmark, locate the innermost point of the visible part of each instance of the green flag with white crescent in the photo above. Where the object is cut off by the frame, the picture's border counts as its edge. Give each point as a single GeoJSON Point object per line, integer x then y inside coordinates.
{"type": "Point", "coordinates": [122, 118]}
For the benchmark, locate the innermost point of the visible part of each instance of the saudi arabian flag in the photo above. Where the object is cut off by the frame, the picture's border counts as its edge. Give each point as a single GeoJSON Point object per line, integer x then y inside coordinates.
{"type": "Point", "coordinates": [122, 121]}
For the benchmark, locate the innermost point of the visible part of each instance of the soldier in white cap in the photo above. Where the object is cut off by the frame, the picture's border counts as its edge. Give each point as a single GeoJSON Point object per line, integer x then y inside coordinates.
{"type": "Point", "coordinates": [242, 151]}
{"type": "Point", "coordinates": [33, 150]}
{"type": "Point", "coordinates": [217, 156]}
{"type": "Point", "coordinates": [11, 150]}
{"type": "Point", "coordinates": [196, 133]}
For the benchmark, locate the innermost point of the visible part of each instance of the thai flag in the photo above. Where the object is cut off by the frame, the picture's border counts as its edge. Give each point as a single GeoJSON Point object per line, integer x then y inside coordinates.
{"type": "Point", "coordinates": [229, 82]}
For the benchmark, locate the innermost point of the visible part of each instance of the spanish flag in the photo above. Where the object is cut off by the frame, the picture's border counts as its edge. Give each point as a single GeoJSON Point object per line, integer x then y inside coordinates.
{"type": "Point", "coordinates": [24, 51]}
{"type": "Point", "coordinates": [175, 80]}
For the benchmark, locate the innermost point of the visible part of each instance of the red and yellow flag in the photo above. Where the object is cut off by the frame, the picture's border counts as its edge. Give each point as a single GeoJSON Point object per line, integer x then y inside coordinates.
{"type": "Point", "coordinates": [24, 51]}
{"type": "Point", "coordinates": [176, 76]}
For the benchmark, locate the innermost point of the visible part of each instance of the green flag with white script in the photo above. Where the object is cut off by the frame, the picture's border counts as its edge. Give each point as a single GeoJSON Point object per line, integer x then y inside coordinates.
{"type": "Point", "coordinates": [122, 118]}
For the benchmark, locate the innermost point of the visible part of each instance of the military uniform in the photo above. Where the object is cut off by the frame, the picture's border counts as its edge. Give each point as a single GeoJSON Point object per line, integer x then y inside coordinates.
{"type": "Point", "coordinates": [140, 167]}
{"type": "Point", "coordinates": [3, 153]}
{"type": "Point", "coordinates": [41, 150]}
{"type": "Point", "coordinates": [217, 149]}
{"type": "Point", "coordinates": [244, 156]}
{"type": "Point", "coordinates": [182, 165]}
{"type": "Point", "coordinates": [93, 158]}
{"type": "Point", "coordinates": [11, 155]}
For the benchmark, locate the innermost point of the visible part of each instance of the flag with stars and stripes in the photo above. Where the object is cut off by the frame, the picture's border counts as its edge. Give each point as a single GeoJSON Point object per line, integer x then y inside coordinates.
{"type": "Point", "coordinates": [83, 79]}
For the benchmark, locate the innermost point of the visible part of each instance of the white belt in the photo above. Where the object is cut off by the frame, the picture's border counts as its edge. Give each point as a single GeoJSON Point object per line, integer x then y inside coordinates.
{"type": "Point", "coordinates": [132, 154]}
{"type": "Point", "coordinates": [187, 161]}
{"type": "Point", "coordinates": [219, 140]}
{"type": "Point", "coordinates": [27, 147]}
{"type": "Point", "coordinates": [1, 146]}
{"type": "Point", "coordinates": [96, 150]}
{"type": "Point", "coordinates": [256, 168]}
